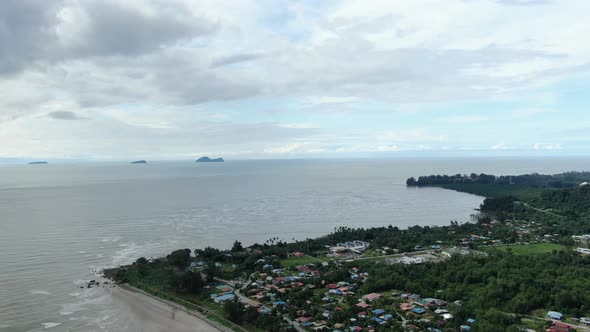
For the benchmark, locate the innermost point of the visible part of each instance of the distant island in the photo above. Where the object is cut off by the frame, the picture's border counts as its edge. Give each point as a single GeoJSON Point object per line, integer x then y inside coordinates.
{"type": "Point", "coordinates": [139, 162]}
{"type": "Point", "coordinates": [38, 163]}
{"type": "Point", "coordinates": [209, 160]}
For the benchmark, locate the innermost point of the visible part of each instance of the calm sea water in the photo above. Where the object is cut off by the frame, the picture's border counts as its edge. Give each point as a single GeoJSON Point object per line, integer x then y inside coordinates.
{"type": "Point", "coordinates": [59, 224]}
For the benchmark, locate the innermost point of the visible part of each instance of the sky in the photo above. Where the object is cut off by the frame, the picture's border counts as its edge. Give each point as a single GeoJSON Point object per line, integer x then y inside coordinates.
{"type": "Point", "coordinates": [241, 79]}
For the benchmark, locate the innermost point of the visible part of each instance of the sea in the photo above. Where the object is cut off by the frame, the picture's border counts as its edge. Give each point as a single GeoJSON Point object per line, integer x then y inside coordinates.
{"type": "Point", "coordinates": [60, 224]}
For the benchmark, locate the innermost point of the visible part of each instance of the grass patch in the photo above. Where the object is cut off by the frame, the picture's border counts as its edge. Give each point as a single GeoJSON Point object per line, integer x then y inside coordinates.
{"type": "Point", "coordinates": [296, 261]}
{"type": "Point", "coordinates": [538, 248]}
{"type": "Point", "coordinates": [522, 192]}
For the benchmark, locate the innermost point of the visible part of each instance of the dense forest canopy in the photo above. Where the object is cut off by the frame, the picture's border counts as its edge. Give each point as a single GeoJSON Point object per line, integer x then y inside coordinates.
{"type": "Point", "coordinates": [564, 180]}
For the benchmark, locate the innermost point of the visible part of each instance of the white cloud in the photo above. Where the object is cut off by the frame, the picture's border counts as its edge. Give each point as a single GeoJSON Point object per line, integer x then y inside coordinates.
{"type": "Point", "coordinates": [287, 148]}
{"type": "Point", "coordinates": [529, 112]}
{"type": "Point", "coordinates": [501, 146]}
{"type": "Point", "coordinates": [546, 146]}
{"type": "Point", "coordinates": [298, 125]}
{"type": "Point", "coordinates": [463, 119]}
{"type": "Point", "coordinates": [414, 135]}
{"type": "Point", "coordinates": [387, 148]}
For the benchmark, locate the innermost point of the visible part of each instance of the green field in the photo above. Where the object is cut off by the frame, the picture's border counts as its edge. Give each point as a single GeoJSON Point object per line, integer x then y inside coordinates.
{"type": "Point", "coordinates": [296, 261]}
{"type": "Point", "coordinates": [538, 248]}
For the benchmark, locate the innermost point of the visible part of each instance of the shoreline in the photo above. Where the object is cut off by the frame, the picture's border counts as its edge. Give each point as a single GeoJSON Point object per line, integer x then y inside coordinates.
{"type": "Point", "coordinates": [154, 314]}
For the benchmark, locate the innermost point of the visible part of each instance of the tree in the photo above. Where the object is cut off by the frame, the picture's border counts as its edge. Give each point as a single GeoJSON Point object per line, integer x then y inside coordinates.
{"type": "Point", "coordinates": [237, 247]}
{"type": "Point", "coordinates": [211, 270]}
{"type": "Point", "coordinates": [180, 258]}
{"type": "Point", "coordinates": [234, 311]}
{"type": "Point", "coordinates": [191, 282]}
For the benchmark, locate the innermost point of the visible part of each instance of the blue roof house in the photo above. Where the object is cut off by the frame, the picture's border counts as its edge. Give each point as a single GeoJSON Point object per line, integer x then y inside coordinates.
{"type": "Point", "coordinates": [419, 311]}
{"type": "Point", "coordinates": [378, 320]}
{"type": "Point", "coordinates": [555, 315]}
{"type": "Point", "coordinates": [224, 297]}
{"type": "Point", "coordinates": [378, 312]}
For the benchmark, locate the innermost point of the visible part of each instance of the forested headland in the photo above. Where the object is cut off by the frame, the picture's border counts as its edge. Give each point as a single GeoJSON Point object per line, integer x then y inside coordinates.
{"type": "Point", "coordinates": [500, 287]}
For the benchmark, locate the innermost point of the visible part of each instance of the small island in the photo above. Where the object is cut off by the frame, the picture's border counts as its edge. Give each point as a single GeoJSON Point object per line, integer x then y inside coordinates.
{"type": "Point", "coordinates": [209, 160]}
{"type": "Point", "coordinates": [139, 162]}
{"type": "Point", "coordinates": [38, 163]}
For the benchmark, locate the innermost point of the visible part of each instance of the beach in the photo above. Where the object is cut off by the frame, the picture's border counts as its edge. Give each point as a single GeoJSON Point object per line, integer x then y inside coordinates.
{"type": "Point", "coordinates": [149, 314]}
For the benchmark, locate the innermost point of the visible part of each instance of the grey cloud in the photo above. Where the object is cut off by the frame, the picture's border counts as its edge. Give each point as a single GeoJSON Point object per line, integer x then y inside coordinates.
{"type": "Point", "coordinates": [236, 58]}
{"type": "Point", "coordinates": [65, 115]}
{"type": "Point", "coordinates": [194, 85]}
{"type": "Point", "coordinates": [25, 30]}
{"type": "Point", "coordinates": [114, 27]}
{"type": "Point", "coordinates": [49, 32]}
{"type": "Point", "coordinates": [351, 67]}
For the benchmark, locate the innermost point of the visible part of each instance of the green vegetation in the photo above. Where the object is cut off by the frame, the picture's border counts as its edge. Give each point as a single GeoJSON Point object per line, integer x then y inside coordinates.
{"type": "Point", "coordinates": [500, 281]}
{"type": "Point", "coordinates": [537, 248]}
{"type": "Point", "coordinates": [500, 287]}
{"type": "Point", "coordinates": [558, 181]}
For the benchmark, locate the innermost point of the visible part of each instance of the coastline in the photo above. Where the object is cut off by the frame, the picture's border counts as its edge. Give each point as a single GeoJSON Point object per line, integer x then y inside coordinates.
{"type": "Point", "coordinates": [153, 314]}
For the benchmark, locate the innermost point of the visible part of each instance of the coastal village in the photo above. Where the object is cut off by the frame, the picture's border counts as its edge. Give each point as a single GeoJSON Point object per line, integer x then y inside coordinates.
{"type": "Point", "coordinates": [515, 264]}
{"type": "Point", "coordinates": [309, 301]}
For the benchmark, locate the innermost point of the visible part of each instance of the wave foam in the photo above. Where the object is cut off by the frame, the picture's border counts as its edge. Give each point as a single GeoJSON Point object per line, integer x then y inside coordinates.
{"type": "Point", "coordinates": [50, 325]}
{"type": "Point", "coordinates": [110, 239]}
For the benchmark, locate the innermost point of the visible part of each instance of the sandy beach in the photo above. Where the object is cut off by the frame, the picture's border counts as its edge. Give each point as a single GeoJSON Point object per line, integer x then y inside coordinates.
{"type": "Point", "coordinates": [151, 315]}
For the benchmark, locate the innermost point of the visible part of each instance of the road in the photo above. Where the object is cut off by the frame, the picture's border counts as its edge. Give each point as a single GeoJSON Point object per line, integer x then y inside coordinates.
{"type": "Point", "coordinates": [541, 210]}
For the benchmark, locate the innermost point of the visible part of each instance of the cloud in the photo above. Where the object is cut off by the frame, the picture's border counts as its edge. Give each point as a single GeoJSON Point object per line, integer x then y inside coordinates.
{"type": "Point", "coordinates": [338, 65]}
{"type": "Point", "coordinates": [98, 28]}
{"type": "Point", "coordinates": [529, 112]}
{"type": "Point", "coordinates": [415, 135]}
{"type": "Point", "coordinates": [523, 2]}
{"type": "Point", "coordinates": [65, 115]}
{"type": "Point", "coordinates": [25, 29]}
{"type": "Point", "coordinates": [298, 125]}
{"type": "Point", "coordinates": [501, 146]}
{"type": "Point", "coordinates": [287, 148]}
{"type": "Point", "coordinates": [236, 58]}
{"type": "Point", "coordinates": [545, 146]}
{"type": "Point", "coordinates": [387, 148]}
{"type": "Point", "coordinates": [463, 119]}
{"type": "Point", "coordinates": [51, 32]}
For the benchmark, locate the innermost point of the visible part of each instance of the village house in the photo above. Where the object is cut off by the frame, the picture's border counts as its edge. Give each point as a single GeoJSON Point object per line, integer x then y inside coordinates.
{"type": "Point", "coordinates": [355, 246]}
{"type": "Point", "coordinates": [555, 315]}
{"type": "Point", "coordinates": [371, 297]}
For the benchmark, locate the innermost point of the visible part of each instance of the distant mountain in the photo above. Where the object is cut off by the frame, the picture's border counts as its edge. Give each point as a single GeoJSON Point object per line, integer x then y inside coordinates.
{"type": "Point", "coordinates": [38, 163]}
{"type": "Point", "coordinates": [209, 160]}
{"type": "Point", "coordinates": [139, 162]}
